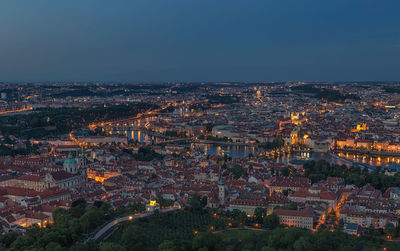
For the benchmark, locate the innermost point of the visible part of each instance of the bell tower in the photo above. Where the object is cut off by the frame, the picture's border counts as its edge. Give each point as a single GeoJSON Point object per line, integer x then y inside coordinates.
{"type": "Point", "coordinates": [81, 161]}
{"type": "Point", "coordinates": [221, 191]}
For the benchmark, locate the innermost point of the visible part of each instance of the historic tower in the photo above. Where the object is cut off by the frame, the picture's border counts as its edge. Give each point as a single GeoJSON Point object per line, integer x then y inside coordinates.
{"type": "Point", "coordinates": [81, 160]}
{"type": "Point", "coordinates": [221, 191]}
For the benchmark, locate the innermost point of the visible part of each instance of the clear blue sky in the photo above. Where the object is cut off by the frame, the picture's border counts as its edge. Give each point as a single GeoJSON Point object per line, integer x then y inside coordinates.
{"type": "Point", "coordinates": [199, 40]}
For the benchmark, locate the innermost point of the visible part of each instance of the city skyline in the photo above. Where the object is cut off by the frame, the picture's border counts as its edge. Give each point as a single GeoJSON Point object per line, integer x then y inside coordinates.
{"type": "Point", "coordinates": [199, 125]}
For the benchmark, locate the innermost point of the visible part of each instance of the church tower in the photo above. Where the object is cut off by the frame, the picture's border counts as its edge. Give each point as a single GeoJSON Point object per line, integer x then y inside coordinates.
{"type": "Point", "coordinates": [221, 191]}
{"type": "Point", "coordinates": [81, 160]}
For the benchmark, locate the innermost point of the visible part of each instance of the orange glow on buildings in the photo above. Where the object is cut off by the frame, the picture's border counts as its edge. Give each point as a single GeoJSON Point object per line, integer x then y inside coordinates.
{"type": "Point", "coordinates": [362, 127]}
{"type": "Point", "coordinates": [99, 176]}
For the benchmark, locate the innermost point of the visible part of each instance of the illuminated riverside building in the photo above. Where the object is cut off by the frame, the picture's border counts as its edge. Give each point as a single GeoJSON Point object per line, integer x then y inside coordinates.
{"type": "Point", "coordinates": [97, 140]}
{"type": "Point", "coordinates": [368, 145]}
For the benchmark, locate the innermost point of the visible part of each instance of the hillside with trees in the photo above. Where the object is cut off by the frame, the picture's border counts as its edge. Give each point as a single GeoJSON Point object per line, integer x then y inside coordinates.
{"type": "Point", "coordinates": [49, 122]}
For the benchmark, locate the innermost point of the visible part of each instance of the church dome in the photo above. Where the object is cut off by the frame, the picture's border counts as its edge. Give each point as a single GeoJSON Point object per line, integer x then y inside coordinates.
{"type": "Point", "coordinates": [70, 160]}
{"type": "Point", "coordinates": [70, 164]}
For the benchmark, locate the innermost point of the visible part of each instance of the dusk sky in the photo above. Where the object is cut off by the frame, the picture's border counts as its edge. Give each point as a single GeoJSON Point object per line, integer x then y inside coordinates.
{"type": "Point", "coordinates": [193, 40]}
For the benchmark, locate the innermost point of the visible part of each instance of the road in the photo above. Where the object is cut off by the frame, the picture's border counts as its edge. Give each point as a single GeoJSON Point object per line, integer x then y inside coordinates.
{"type": "Point", "coordinates": [29, 108]}
{"type": "Point", "coordinates": [106, 228]}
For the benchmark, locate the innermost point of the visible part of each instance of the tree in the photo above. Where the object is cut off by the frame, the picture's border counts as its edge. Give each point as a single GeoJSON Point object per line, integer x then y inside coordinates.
{"type": "Point", "coordinates": [203, 201]}
{"type": "Point", "coordinates": [89, 246]}
{"type": "Point", "coordinates": [8, 238]}
{"type": "Point", "coordinates": [339, 226]}
{"type": "Point", "coordinates": [259, 214]}
{"type": "Point", "coordinates": [389, 229]}
{"type": "Point", "coordinates": [251, 167]}
{"type": "Point", "coordinates": [271, 221]}
{"type": "Point", "coordinates": [61, 217]}
{"type": "Point", "coordinates": [303, 244]}
{"type": "Point", "coordinates": [322, 227]}
{"type": "Point", "coordinates": [237, 171]}
{"type": "Point", "coordinates": [78, 207]}
{"type": "Point", "coordinates": [194, 202]}
{"type": "Point", "coordinates": [167, 245]}
{"type": "Point", "coordinates": [206, 241]}
{"type": "Point", "coordinates": [225, 157]}
{"type": "Point", "coordinates": [164, 202]}
{"type": "Point", "coordinates": [111, 246]}
{"type": "Point", "coordinates": [54, 246]}
{"type": "Point", "coordinates": [22, 242]}
{"type": "Point", "coordinates": [133, 238]}
{"type": "Point", "coordinates": [91, 218]}
{"type": "Point", "coordinates": [284, 238]}
{"type": "Point", "coordinates": [372, 231]}
{"type": "Point", "coordinates": [267, 249]}
{"type": "Point", "coordinates": [285, 171]}
{"type": "Point", "coordinates": [243, 218]}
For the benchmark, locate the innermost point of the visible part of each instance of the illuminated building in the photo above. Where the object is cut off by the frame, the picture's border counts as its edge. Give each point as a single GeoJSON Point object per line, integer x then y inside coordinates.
{"type": "Point", "coordinates": [152, 206]}
{"type": "Point", "coordinates": [294, 218]}
{"type": "Point", "coordinates": [362, 127]}
{"type": "Point", "coordinates": [73, 175]}
{"type": "Point", "coordinates": [100, 176]}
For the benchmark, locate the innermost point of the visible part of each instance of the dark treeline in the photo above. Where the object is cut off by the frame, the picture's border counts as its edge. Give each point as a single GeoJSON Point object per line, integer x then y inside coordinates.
{"type": "Point", "coordinates": [190, 229]}
{"type": "Point", "coordinates": [87, 91]}
{"type": "Point", "coordinates": [68, 229]}
{"type": "Point", "coordinates": [145, 153]}
{"type": "Point", "coordinates": [28, 148]}
{"type": "Point", "coordinates": [276, 143]}
{"type": "Point", "coordinates": [324, 93]}
{"type": "Point", "coordinates": [319, 170]}
{"type": "Point", "coordinates": [54, 121]}
{"type": "Point", "coordinates": [222, 99]}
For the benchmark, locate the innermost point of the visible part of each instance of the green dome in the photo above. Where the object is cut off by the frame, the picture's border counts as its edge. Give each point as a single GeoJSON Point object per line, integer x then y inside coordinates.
{"type": "Point", "coordinates": [70, 160]}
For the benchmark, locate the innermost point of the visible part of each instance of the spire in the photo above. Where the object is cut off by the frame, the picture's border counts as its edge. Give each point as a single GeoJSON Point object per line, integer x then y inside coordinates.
{"type": "Point", "coordinates": [221, 182]}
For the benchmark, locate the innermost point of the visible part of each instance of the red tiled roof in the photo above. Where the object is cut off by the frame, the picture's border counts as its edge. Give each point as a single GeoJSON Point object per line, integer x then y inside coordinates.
{"type": "Point", "coordinates": [287, 212]}
{"type": "Point", "coordinates": [61, 175]}
{"type": "Point", "coordinates": [18, 191]}
{"type": "Point", "coordinates": [30, 177]}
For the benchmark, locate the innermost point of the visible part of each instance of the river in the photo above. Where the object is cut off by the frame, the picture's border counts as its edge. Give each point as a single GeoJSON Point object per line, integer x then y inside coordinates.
{"type": "Point", "coordinates": [244, 151]}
